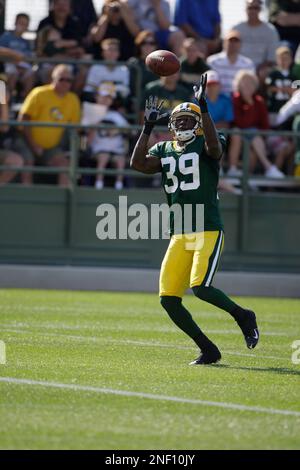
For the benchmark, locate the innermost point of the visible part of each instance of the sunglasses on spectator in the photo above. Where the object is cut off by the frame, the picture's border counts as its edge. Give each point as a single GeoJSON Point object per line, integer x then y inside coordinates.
{"type": "Point", "coordinates": [65, 79]}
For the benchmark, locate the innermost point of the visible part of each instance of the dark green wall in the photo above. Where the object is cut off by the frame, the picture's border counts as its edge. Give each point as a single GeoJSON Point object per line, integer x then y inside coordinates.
{"type": "Point", "coordinates": [55, 226]}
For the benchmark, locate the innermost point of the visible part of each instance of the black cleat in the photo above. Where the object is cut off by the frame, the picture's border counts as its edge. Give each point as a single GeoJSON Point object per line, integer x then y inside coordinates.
{"type": "Point", "coordinates": [249, 328]}
{"type": "Point", "coordinates": [210, 355]}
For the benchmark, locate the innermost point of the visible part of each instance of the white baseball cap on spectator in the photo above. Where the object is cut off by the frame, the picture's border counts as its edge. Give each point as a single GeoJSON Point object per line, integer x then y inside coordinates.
{"type": "Point", "coordinates": [212, 77]}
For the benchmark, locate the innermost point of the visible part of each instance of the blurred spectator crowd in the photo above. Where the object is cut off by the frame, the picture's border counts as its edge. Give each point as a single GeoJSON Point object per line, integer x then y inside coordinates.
{"type": "Point", "coordinates": [253, 84]}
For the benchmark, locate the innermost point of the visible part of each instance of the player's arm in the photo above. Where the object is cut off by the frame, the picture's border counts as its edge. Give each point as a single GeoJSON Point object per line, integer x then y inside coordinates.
{"type": "Point", "coordinates": [140, 159]}
{"type": "Point", "coordinates": [213, 145]}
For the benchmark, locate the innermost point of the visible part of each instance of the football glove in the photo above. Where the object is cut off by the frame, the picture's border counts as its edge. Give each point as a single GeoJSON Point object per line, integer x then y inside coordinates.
{"type": "Point", "coordinates": [200, 94]}
{"type": "Point", "coordinates": [153, 116]}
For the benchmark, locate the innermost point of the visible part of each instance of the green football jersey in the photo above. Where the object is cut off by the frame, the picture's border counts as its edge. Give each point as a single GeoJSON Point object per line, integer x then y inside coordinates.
{"type": "Point", "coordinates": [190, 177]}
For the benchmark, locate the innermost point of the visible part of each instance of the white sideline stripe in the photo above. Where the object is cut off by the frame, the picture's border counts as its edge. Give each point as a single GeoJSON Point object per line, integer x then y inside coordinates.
{"type": "Point", "coordinates": [136, 343]}
{"type": "Point", "coordinates": [150, 396]}
{"type": "Point", "coordinates": [217, 256]}
{"type": "Point", "coordinates": [170, 330]}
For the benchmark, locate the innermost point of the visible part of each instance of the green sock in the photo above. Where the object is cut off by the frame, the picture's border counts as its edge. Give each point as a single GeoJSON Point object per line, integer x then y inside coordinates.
{"type": "Point", "coordinates": [183, 319]}
{"type": "Point", "coordinates": [218, 298]}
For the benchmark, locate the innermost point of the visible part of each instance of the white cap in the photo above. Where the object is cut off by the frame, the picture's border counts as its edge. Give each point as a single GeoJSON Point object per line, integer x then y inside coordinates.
{"type": "Point", "coordinates": [212, 77]}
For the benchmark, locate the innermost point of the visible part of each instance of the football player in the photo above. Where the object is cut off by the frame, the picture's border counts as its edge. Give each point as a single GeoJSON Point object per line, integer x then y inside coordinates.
{"type": "Point", "coordinates": [190, 170]}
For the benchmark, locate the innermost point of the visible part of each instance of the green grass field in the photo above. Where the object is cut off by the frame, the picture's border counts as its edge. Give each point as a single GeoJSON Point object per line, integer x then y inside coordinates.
{"type": "Point", "coordinates": [110, 371]}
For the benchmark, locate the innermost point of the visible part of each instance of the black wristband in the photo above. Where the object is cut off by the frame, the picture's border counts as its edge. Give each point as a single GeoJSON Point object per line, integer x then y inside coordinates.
{"type": "Point", "coordinates": [147, 128]}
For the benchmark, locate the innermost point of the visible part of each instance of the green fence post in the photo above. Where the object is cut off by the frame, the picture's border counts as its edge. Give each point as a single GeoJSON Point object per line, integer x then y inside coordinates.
{"type": "Point", "coordinates": [244, 207]}
{"type": "Point", "coordinates": [72, 200]}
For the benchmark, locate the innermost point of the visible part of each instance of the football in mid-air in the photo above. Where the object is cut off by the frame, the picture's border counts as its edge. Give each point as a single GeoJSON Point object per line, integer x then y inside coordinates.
{"type": "Point", "coordinates": [163, 63]}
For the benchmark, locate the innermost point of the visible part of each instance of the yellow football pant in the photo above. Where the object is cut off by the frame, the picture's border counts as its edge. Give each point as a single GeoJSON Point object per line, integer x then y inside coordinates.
{"type": "Point", "coordinates": [191, 260]}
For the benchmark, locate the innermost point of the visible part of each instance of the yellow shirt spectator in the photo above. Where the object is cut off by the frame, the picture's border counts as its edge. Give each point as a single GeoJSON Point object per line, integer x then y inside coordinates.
{"type": "Point", "coordinates": [43, 104]}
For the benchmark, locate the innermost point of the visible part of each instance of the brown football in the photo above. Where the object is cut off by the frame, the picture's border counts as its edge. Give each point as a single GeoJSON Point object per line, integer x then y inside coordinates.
{"type": "Point", "coordinates": [163, 63]}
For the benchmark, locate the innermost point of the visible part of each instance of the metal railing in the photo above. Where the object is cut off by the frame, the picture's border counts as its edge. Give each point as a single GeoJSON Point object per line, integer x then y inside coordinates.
{"type": "Point", "coordinates": [132, 129]}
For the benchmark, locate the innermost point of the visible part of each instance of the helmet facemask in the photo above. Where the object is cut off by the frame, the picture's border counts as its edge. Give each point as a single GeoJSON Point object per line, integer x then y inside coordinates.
{"type": "Point", "coordinates": [184, 132]}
